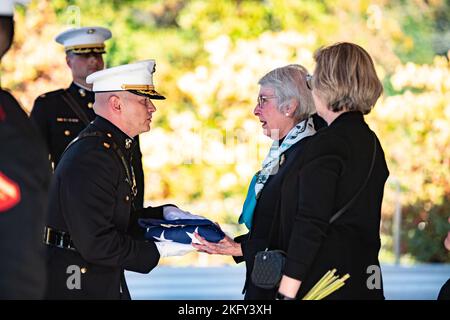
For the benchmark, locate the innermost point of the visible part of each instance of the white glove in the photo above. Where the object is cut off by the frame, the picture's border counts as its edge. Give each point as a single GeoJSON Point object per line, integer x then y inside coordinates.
{"type": "Point", "coordinates": [169, 248]}
{"type": "Point", "coordinates": [173, 213]}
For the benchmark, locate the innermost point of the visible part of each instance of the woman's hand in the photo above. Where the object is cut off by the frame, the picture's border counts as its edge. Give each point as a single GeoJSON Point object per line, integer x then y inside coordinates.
{"type": "Point", "coordinates": [226, 246]}
{"type": "Point", "coordinates": [289, 286]}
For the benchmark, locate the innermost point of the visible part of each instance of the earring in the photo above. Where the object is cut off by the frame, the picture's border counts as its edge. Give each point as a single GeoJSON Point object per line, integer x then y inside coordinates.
{"type": "Point", "coordinates": [287, 114]}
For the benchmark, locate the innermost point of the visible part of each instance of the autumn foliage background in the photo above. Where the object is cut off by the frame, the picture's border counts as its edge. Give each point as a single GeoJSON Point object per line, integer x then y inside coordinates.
{"type": "Point", "coordinates": [205, 144]}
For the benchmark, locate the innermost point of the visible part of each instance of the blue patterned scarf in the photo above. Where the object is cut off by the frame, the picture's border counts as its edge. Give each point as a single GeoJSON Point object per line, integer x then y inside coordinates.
{"type": "Point", "coordinates": [270, 167]}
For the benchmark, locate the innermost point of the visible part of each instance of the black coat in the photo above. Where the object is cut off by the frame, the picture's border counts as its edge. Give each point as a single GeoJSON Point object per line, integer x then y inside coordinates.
{"type": "Point", "coordinates": [334, 165]}
{"type": "Point", "coordinates": [59, 125]}
{"type": "Point", "coordinates": [444, 293]}
{"type": "Point", "coordinates": [91, 200]}
{"type": "Point", "coordinates": [24, 168]}
{"type": "Point", "coordinates": [264, 216]}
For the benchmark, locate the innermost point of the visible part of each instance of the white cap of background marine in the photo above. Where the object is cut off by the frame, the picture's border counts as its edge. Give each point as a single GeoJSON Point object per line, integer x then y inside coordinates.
{"type": "Point", "coordinates": [84, 40]}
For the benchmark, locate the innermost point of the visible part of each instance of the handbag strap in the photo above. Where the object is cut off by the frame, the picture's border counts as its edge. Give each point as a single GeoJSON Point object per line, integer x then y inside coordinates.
{"type": "Point", "coordinates": [73, 104]}
{"type": "Point", "coordinates": [350, 203]}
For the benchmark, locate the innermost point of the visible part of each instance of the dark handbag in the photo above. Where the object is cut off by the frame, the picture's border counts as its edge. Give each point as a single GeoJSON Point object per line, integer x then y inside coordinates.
{"type": "Point", "coordinates": [268, 268]}
{"type": "Point", "coordinates": [269, 264]}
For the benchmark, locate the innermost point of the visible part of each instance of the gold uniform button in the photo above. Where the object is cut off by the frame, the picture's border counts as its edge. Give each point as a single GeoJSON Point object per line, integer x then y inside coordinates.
{"type": "Point", "coordinates": [90, 105]}
{"type": "Point", "coordinates": [67, 133]}
{"type": "Point", "coordinates": [106, 145]}
{"type": "Point", "coordinates": [83, 270]}
{"type": "Point", "coordinates": [127, 198]}
{"type": "Point", "coordinates": [109, 134]}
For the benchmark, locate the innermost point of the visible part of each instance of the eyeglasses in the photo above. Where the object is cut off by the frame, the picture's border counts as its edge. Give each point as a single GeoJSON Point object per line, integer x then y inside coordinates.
{"type": "Point", "coordinates": [263, 99]}
{"type": "Point", "coordinates": [146, 101]}
{"type": "Point", "coordinates": [309, 81]}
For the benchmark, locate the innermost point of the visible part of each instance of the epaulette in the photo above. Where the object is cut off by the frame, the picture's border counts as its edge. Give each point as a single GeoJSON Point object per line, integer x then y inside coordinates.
{"type": "Point", "coordinates": [51, 94]}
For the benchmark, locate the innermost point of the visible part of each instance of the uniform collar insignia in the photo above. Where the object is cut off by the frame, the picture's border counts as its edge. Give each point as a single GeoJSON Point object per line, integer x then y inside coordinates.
{"type": "Point", "coordinates": [82, 92]}
{"type": "Point", "coordinates": [128, 143]}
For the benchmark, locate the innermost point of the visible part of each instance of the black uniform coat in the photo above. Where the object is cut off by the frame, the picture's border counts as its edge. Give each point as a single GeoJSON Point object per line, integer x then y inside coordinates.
{"type": "Point", "coordinates": [59, 125]}
{"type": "Point", "coordinates": [24, 181]}
{"type": "Point", "coordinates": [333, 167]}
{"type": "Point", "coordinates": [90, 199]}
{"type": "Point", "coordinates": [266, 215]}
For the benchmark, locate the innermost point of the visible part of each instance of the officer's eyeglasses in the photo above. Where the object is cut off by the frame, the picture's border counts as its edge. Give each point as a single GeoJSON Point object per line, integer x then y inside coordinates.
{"type": "Point", "coordinates": [309, 79]}
{"type": "Point", "coordinates": [263, 99]}
{"type": "Point", "coordinates": [146, 102]}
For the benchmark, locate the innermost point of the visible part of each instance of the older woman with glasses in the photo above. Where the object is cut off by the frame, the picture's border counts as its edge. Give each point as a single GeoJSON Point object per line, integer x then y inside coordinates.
{"type": "Point", "coordinates": [284, 108]}
{"type": "Point", "coordinates": [339, 183]}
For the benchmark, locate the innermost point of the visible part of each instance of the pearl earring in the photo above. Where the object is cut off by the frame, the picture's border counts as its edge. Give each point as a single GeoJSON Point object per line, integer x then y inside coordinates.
{"type": "Point", "coordinates": [287, 114]}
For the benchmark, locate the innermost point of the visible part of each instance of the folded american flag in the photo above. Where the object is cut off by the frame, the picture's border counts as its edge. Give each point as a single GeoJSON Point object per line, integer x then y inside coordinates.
{"type": "Point", "coordinates": [181, 230]}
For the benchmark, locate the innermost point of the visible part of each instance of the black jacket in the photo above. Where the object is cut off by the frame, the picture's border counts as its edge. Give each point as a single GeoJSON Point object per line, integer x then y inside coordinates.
{"type": "Point", "coordinates": [444, 293]}
{"type": "Point", "coordinates": [24, 181]}
{"type": "Point", "coordinates": [59, 125]}
{"type": "Point", "coordinates": [334, 165]}
{"type": "Point", "coordinates": [265, 216]}
{"type": "Point", "coordinates": [91, 200]}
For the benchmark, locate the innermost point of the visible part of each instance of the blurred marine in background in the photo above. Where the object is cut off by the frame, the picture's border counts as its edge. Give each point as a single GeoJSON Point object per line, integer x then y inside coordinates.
{"type": "Point", "coordinates": [24, 180]}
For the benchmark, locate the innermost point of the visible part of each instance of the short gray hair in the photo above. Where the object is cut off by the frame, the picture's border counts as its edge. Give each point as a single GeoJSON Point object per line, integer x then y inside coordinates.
{"type": "Point", "coordinates": [289, 82]}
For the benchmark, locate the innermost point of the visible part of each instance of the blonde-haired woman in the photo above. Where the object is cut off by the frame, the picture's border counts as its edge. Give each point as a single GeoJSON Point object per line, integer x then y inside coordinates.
{"type": "Point", "coordinates": [343, 169]}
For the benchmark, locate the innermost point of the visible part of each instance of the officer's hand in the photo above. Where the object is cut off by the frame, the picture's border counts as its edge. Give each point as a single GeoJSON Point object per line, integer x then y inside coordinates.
{"type": "Point", "coordinates": [173, 213]}
{"type": "Point", "coordinates": [170, 249]}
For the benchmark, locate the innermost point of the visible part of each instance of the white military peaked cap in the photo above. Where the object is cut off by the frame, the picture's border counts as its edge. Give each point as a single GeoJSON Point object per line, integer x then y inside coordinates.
{"type": "Point", "coordinates": [135, 77]}
{"type": "Point", "coordinates": [7, 6]}
{"type": "Point", "coordinates": [84, 40]}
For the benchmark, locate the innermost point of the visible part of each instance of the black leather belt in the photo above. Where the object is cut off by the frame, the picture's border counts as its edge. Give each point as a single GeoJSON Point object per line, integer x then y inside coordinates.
{"type": "Point", "coordinates": [57, 238]}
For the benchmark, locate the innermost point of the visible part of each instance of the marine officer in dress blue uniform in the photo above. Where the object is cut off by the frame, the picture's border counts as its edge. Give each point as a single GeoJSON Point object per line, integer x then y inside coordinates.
{"type": "Point", "coordinates": [92, 234]}
{"type": "Point", "coordinates": [62, 114]}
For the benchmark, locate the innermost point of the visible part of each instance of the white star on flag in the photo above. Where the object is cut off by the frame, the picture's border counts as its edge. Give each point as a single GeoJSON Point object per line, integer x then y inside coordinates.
{"type": "Point", "coordinates": [191, 235]}
{"type": "Point", "coordinates": [161, 238]}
